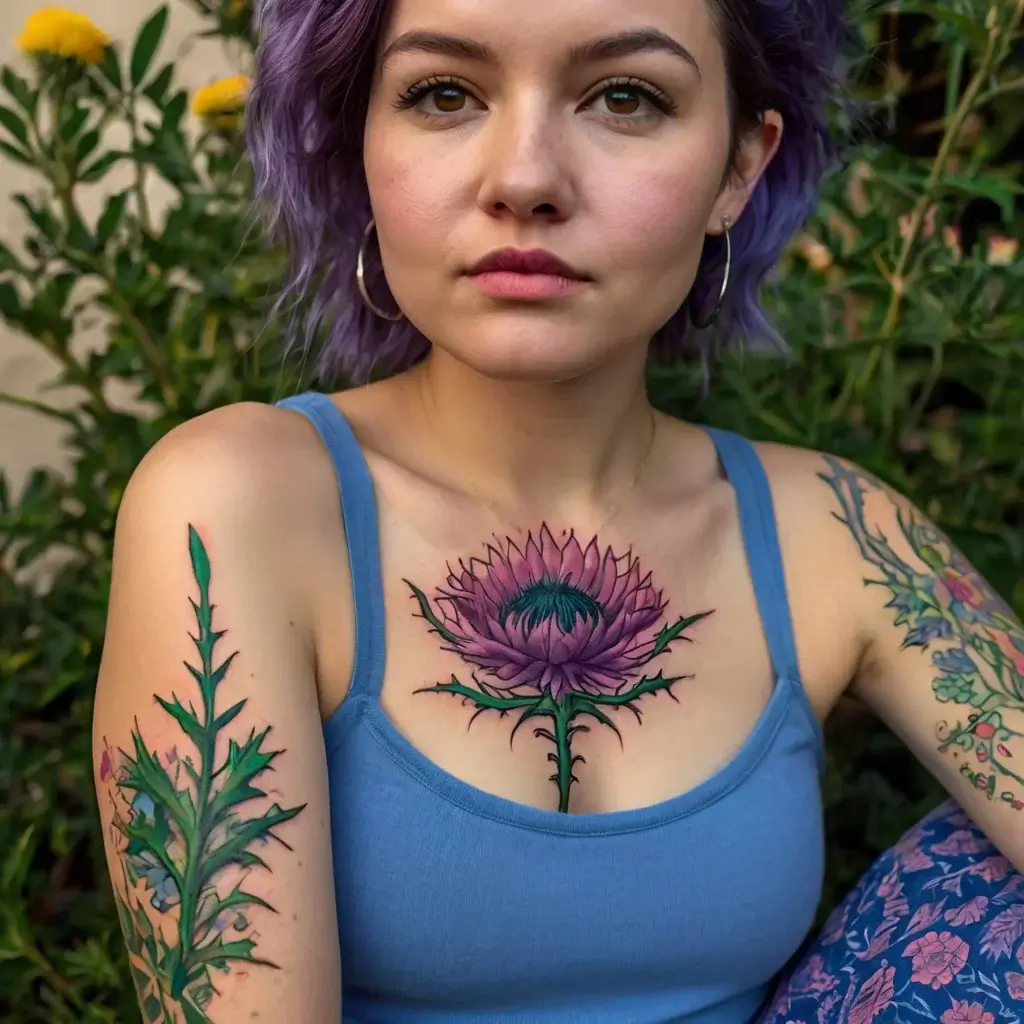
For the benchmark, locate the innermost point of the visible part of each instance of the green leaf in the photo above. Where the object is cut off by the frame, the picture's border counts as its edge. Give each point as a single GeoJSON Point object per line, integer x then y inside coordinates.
{"type": "Point", "coordinates": [226, 717]}
{"type": "Point", "coordinates": [86, 145]}
{"type": "Point", "coordinates": [244, 763]}
{"type": "Point", "coordinates": [192, 1013]}
{"type": "Point", "coordinates": [145, 774]}
{"type": "Point", "coordinates": [236, 898]}
{"type": "Point", "coordinates": [200, 563]}
{"type": "Point", "coordinates": [14, 124]}
{"type": "Point", "coordinates": [131, 937]}
{"type": "Point", "coordinates": [110, 68]}
{"type": "Point", "coordinates": [1001, 191]}
{"type": "Point", "coordinates": [79, 236]}
{"type": "Point", "coordinates": [73, 123]}
{"type": "Point", "coordinates": [146, 43]}
{"type": "Point", "coordinates": [40, 217]}
{"type": "Point", "coordinates": [111, 216]}
{"type": "Point", "coordinates": [10, 301]}
{"type": "Point", "coordinates": [189, 723]}
{"type": "Point", "coordinates": [668, 634]}
{"type": "Point", "coordinates": [99, 167]}
{"type": "Point", "coordinates": [218, 953]}
{"type": "Point", "coordinates": [17, 862]}
{"type": "Point", "coordinates": [157, 88]}
{"type": "Point", "coordinates": [20, 91]}
{"type": "Point", "coordinates": [235, 849]}
{"type": "Point", "coordinates": [152, 1012]}
{"type": "Point", "coordinates": [17, 155]}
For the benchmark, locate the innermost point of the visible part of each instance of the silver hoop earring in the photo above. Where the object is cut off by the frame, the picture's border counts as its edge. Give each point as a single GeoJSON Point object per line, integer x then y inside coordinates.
{"type": "Point", "coordinates": [727, 224]}
{"type": "Point", "coordinates": [361, 279]}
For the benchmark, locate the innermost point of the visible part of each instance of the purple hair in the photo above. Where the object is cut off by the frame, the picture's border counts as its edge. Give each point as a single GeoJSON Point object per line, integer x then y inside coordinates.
{"type": "Point", "coordinates": [305, 136]}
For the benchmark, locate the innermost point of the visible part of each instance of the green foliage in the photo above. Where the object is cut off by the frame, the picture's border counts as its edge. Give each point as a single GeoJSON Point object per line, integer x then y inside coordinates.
{"type": "Point", "coordinates": [905, 324]}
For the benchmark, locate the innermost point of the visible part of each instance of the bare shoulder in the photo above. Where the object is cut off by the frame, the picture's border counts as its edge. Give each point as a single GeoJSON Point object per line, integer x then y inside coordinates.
{"type": "Point", "coordinates": [803, 492]}
{"type": "Point", "coordinates": [255, 473]}
{"type": "Point", "coordinates": [824, 571]}
{"type": "Point", "coordinates": [246, 459]}
{"type": "Point", "coordinates": [257, 483]}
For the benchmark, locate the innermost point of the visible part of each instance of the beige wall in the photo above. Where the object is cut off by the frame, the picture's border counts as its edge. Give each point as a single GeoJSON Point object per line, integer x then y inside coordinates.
{"type": "Point", "coordinates": [27, 439]}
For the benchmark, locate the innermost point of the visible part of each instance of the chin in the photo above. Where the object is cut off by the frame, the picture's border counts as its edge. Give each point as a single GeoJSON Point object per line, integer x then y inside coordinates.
{"type": "Point", "coordinates": [534, 353]}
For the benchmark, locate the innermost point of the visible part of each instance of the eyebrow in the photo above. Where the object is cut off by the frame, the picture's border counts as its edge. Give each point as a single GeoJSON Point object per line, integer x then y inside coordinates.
{"type": "Point", "coordinates": [622, 44]}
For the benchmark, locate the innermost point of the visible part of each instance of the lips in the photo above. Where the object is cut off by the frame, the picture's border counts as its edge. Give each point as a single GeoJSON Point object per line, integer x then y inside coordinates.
{"type": "Point", "coordinates": [526, 261]}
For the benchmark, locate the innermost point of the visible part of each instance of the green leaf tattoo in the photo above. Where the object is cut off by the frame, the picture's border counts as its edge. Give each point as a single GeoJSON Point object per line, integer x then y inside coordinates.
{"type": "Point", "coordinates": [943, 602]}
{"type": "Point", "coordinates": [557, 632]}
{"type": "Point", "coordinates": [181, 827]}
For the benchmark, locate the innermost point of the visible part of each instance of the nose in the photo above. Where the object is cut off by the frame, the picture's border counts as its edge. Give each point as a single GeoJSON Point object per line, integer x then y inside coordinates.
{"type": "Point", "coordinates": [526, 170]}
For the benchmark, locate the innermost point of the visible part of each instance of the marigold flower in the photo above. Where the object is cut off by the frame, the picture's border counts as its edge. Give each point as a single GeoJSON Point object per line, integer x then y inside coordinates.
{"type": "Point", "coordinates": [58, 32]}
{"type": "Point", "coordinates": [222, 101]}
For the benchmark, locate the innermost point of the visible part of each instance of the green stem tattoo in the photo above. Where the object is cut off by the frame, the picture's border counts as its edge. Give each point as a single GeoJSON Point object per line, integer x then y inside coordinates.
{"type": "Point", "coordinates": [553, 632]}
{"type": "Point", "coordinates": [945, 605]}
{"type": "Point", "coordinates": [183, 836]}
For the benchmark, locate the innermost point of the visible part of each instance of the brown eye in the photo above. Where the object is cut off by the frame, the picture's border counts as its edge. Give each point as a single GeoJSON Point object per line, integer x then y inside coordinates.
{"type": "Point", "coordinates": [623, 101]}
{"type": "Point", "coordinates": [449, 99]}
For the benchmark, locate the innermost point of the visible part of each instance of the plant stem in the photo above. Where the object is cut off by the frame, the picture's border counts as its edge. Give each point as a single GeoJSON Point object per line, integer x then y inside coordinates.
{"type": "Point", "coordinates": [63, 988]}
{"type": "Point", "coordinates": [563, 716]}
{"type": "Point", "coordinates": [956, 122]}
{"type": "Point", "coordinates": [190, 890]}
{"type": "Point", "coordinates": [141, 200]}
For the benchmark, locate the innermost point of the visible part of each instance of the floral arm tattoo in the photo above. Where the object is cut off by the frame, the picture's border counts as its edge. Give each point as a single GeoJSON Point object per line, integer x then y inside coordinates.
{"type": "Point", "coordinates": [553, 631]}
{"type": "Point", "coordinates": [943, 604]}
{"type": "Point", "coordinates": [186, 835]}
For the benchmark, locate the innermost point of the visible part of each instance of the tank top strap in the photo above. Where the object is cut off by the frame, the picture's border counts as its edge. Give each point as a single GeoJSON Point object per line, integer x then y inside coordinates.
{"type": "Point", "coordinates": [749, 480]}
{"type": "Point", "coordinates": [359, 514]}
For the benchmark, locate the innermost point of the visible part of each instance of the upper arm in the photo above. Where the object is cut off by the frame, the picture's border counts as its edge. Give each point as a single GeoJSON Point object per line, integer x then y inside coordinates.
{"type": "Point", "coordinates": [943, 664]}
{"type": "Point", "coordinates": [209, 757]}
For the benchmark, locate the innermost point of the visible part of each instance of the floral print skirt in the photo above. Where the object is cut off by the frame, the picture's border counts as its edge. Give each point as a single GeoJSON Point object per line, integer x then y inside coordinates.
{"type": "Point", "coordinates": [932, 932]}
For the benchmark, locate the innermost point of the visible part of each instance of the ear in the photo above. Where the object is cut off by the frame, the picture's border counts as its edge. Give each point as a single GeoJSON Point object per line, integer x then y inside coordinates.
{"type": "Point", "coordinates": [756, 151]}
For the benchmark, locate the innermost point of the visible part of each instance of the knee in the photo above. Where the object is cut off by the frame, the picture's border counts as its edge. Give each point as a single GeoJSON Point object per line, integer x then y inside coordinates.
{"type": "Point", "coordinates": [934, 927]}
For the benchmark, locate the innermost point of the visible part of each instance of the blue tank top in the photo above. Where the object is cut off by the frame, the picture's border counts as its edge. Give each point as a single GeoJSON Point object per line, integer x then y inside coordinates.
{"type": "Point", "coordinates": [455, 905]}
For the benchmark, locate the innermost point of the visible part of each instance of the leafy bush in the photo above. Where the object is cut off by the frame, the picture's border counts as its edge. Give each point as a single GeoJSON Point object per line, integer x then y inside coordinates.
{"type": "Point", "coordinates": [902, 306]}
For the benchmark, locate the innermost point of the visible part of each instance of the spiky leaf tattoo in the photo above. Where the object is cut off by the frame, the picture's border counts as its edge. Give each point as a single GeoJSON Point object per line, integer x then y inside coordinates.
{"type": "Point", "coordinates": [553, 631]}
{"type": "Point", "coordinates": [181, 827]}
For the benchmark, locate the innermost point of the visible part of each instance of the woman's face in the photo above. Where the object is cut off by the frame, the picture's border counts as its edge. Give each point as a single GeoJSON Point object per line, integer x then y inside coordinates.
{"type": "Point", "coordinates": [595, 129]}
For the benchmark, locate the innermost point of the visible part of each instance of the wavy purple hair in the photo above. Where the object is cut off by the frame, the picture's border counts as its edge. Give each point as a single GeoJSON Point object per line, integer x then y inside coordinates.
{"type": "Point", "coordinates": [305, 134]}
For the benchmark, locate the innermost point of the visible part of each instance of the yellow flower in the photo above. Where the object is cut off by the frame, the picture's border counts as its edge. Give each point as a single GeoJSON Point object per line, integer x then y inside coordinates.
{"type": "Point", "coordinates": [62, 33]}
{"type": "Point", "coordinates": [222, 101]}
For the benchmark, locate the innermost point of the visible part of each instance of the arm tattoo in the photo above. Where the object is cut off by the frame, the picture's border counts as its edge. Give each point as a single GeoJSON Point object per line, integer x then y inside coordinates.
{"type": "Point", "coordinates": [553, 631]}
{"type": "Point", "coordinates": [186, 832]}
{"type": "Point", "coordinates": [940, 600]}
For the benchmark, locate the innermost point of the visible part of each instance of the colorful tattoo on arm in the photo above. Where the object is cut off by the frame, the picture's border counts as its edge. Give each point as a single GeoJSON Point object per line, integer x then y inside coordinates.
{"type": "Point", "coordinates": [553, 631]}
{"type": "Point", "coordinates": [185, 840]}
{"type": "Point", "coordinates": [941, 601]}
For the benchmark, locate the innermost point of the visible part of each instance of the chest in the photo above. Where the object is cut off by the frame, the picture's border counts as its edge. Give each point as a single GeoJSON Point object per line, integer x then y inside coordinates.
{"type": "Point", "coordinates": [582, 676]}
{"type": "Point", "coordinates": [658, 914]}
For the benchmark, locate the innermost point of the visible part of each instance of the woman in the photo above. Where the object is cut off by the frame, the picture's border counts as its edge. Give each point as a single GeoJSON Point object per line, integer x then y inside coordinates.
{"type": "Point", "coordinates": [524, 726]}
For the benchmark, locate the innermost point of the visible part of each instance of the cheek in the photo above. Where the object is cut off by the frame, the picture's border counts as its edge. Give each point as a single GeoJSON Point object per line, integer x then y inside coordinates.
{"type": "Point", "coordinates": [656, 222]}
{"type": "Point", "coordinates": [412, 202]}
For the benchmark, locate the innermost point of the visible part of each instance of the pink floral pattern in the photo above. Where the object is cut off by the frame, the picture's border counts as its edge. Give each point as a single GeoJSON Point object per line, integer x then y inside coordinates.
{"type": "Point", "coordinates": [932, 934]}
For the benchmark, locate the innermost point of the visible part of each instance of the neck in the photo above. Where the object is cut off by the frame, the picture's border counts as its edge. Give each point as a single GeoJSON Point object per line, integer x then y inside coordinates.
{"type": "Point", "coordinates": [569, 451]}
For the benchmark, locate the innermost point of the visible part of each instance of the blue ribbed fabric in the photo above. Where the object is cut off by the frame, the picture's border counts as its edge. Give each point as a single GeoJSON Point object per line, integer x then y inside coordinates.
{"type": "Point", "coordinates": [456, 906]}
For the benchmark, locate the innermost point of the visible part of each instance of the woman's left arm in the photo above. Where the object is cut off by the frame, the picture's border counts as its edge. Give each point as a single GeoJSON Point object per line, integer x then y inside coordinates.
{"type": "Point", "coordinates": [943, 660]}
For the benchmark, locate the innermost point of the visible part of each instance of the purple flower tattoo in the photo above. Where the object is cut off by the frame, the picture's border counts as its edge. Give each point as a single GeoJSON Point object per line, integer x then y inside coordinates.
{"type": "Point", "coordinates": [553, 630]}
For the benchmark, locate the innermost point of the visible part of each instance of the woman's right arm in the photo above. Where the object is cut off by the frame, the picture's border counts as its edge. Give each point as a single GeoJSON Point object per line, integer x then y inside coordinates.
{"type": "Point", "coordinates": [209, 754]}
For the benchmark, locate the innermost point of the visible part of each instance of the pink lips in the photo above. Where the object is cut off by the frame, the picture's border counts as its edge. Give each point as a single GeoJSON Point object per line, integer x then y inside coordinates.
{"type": "Point", "coordinates": [525, 274]}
